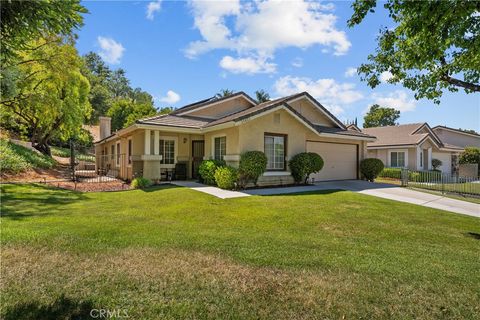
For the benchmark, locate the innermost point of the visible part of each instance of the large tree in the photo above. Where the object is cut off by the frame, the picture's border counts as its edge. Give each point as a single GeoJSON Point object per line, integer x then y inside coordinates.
{"type": "Point", "coordinates": [379, 116]}
{"type": "Point", "coordinates": [24, 22]}
{"type": "Point", "coordinates": [125, 112]}
{"type": "Point", "coordinates": [432, 46]}
{"type": "Point", "coordinates": [48, 95]}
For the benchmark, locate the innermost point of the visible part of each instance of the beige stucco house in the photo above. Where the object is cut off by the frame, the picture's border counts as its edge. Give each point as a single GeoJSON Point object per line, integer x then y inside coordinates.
{"type": "Point", "coordinates": [456, 137]}
{"type": "Point", "coordinates": [224, 128]}
{"type": "Point", "coordinates": [412, 146]}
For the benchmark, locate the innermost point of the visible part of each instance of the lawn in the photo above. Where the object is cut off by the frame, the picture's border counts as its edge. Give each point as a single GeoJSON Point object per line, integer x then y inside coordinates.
{"type": "Point", "coordinates": [172, 253]}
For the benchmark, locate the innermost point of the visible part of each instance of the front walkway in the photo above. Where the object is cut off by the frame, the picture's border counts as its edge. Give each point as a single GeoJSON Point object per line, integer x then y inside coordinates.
{"type": "Point", "coordinates": [214, 191]}
{"type": "Point", "coordinates": [380, 190]}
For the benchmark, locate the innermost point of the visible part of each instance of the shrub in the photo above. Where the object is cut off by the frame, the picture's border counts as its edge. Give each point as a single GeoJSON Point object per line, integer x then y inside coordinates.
{"type": "Point", "coordinates": [436, 163]}
{"type": "Point", "coordinates": [141, 183]}
{"type": "Point", "coordinates": [15, 158]}
{"type": "Point", "coordinates": [371, 168]}
{"type": "Point", "coordinates": [470, 155]}
{"type": "Point", "coordinates": [392, 173]}
{"type": "Point", "coordinates": [207, 170]}
{"type": "Point", "coordinates": [252, 165]}
{"type": "Point", "coordinates": [226, 177]}
{"type": "Point", "coordinates": [304, 164]}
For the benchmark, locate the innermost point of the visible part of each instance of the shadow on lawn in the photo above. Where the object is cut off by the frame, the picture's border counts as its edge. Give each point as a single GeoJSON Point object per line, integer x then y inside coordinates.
{"type": "Point", "coordinates": [304, 193]}
{"type": "Point", "coordinates": [18, 205]}
{"type": "Point", "coordinates": [473, 235]}
{"type": "Point", "coordinates": [62, 308]}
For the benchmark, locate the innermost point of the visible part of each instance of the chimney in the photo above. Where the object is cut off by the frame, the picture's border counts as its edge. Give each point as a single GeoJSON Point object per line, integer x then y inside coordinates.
{"type": "Point", "coordinates": [105, 127]}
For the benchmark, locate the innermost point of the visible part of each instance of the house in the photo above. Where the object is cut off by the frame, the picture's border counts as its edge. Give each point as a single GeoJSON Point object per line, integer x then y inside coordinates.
{"type": "Point", "coordinates": [456, 137]}
{"type": "Point", "coordinates": [224, 128]}
{"type": "Point", "coordinates": [412, 146]}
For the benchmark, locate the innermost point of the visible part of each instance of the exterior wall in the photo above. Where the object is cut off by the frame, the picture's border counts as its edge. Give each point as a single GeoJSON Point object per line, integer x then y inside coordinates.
{"type": "Point", "coordinates": [310, 111]}
{"type": "Point", "coordinates": [384, 155]}
{"type": "Point", "coordinates": [222, 109]}
{"type": "Point", "coordinates": [233, 151]}
{"type": "Point", "coordinates": [457, 139]}
{"type": "Point", "coordinates": [446, 158]}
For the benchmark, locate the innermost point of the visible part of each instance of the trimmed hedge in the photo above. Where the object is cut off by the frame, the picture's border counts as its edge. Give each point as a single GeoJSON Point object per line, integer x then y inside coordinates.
{"type": "Point", "coordinates": [207, 170]}
{"type": "Point", "coordinates": [393, 173]}
{"type": "Point", "coordinates": [252, 165]}
{"type": "Point", "coordinates": [371, 168]}
{"type": "Point", "coordinates": [303, 164]}
{"type": "Point", "coordinates": [141, 183]}
{"type": "Point", "coordinates": [226, 177]}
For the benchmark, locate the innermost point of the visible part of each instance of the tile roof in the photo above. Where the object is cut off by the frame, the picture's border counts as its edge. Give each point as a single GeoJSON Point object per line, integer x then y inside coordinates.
{"type": "Point", "coordinates": [176, 121]}
{"type": "Point", "coordinates": [396, 135]}
{"type": "Point", "coordinates": [342, 132]}
{"type": "Point", "coordinates": [457, 130]}
{"type": "Point", "coordinates": [207, 101]}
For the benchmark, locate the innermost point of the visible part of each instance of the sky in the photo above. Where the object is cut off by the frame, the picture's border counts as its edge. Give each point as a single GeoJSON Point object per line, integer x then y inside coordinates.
{"type": "Point", "coordinates": [182, 52]}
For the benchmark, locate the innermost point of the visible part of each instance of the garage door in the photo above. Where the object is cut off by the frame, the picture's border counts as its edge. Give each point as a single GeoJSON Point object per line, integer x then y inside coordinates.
{"type": "Point", "coordinates": [340, 160]}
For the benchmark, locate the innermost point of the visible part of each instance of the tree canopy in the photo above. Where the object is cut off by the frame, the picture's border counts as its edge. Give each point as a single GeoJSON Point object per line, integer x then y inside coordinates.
{"type": "Point", "coordinates": [24, 22]}
{"type": "Point", "coordinates": [262, 96]}
{"type": "Point", "coordinates": [433, 46]}
{"type": "Point", "coordinates": [378, 116]}
{"type": "Point", "coordinates": [224, 93]}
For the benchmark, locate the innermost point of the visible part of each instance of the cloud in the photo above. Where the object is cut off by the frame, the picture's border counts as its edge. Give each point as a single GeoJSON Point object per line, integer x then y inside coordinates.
{"type": "Point", "coordinates": [153, 7]}
{"type": "Point", "coordinates": [111, 51]}
{"type": "Point", "coordinates": [247, 65]}
{"type": "Point", "coordinates": [260, 28]}
{"type": "Point", "coordinates": [171, 97]}
{"type": "Point", "coordinates": [333, 95]}
{"type": "Point", "coordinates": [350, 72]}
{"type": "Point", "coordinates": [398, 100]}
{"type": "Point", "coordinates": [297, 62]}
{"type": "Point", "coordinates": [385, 76]}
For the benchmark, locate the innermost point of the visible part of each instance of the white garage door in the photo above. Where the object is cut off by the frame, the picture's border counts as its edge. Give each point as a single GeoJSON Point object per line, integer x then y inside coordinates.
{"type": "Point", "coordinates": [446, 158]}
{"type": "Point", "coordinates": [340, 160]}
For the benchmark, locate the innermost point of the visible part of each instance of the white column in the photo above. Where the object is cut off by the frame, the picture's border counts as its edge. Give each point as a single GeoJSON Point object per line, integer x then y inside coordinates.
{"type": "Point", "coordinates": [429, 159]}
{"type": "Point", "coordinates": [147, 141]}
{"type": "Point", "coordinates": [156, 142]}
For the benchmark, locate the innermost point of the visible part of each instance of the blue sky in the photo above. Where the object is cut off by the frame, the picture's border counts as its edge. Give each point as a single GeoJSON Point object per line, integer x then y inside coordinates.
{"type": "Point", "coordinates": [181, 52]}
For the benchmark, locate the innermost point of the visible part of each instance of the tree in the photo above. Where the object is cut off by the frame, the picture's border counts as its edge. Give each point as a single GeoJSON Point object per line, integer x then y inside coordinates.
{"type": "Point", "coordinates": [165, 110]}
{"type": "Point", "coordinates": [50, 95]}
{"type": "Point", "coordinates": [470, 155]}
{"type": "Point", "coordinates": [262, 96]}
{"type": "Point", "coordinates": [380, 117]}
{"type": "Point", "coordinates": [433, 47]}
{"type": "Point", "coordinates": [119, 84]}
{"type": "Point", "coordinates": [224, 93]}
{"type": "Point", "coordinates": [125, 112]}
{"type": "Point", "coordinates": [24, 22]}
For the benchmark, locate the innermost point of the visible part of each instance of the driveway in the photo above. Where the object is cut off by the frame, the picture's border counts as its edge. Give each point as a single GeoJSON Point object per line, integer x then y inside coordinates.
{"type": "Point", "coordinates": [386, 191]}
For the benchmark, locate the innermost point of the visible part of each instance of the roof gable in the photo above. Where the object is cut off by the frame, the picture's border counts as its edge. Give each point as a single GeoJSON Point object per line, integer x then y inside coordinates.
{"type": "Point", "coordinates": [401, 135]}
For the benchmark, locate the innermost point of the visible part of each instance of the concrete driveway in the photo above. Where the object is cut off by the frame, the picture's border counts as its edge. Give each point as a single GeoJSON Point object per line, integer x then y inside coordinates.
{"type": "Point", "coordinates": [386, 191]}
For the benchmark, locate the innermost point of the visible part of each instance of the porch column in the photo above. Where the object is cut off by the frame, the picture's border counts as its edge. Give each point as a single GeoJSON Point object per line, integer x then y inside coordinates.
{"type": "Point", "coordinates": [147, 141]}
{"type": "Point", "coordinates": [156, 142]}
{"type": "Point", "coordinates": [429, 159]}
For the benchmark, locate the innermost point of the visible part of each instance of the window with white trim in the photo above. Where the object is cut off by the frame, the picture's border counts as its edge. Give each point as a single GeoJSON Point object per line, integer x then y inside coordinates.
{"type": "Point", "coordinates": [397, 159]}
{"type": "Point", "coordinates": [118, 154]}
{"type": "Point", "coordinates": [220, 148]}
{"type": "Point", "coordinates": [274, 148]}
{"type": "Point", "coordinates": [421, 158]}
{"type": "Point", "coordinates": [167, 151]}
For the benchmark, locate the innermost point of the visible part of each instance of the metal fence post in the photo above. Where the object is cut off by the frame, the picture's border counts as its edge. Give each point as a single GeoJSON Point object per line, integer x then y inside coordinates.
{"type": "Point", "coordinates": [404, 176]}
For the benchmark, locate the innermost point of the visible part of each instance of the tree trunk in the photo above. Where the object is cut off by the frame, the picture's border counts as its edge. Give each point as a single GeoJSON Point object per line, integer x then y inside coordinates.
{"type": "Point", "coordinates": [44, 148]}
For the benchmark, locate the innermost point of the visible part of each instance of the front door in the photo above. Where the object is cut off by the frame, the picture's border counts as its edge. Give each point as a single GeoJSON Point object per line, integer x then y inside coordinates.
{"type": "Point", "coordinates": [198, 151]}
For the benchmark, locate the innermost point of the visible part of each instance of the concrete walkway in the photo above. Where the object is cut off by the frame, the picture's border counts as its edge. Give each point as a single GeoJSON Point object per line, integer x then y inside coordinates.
{"type": "Point", "coordinates": [214, 191]}
{"type": "Point", "coordinates": [380, 190]}
{"type": "Point", "coordinates": [386, 191]}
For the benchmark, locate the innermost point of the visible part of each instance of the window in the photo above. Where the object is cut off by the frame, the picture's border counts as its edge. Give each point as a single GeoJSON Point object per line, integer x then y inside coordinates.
{"type": "Point", "coordinates": [167, 150]}
{"type": "Point", "coordinates": [397, 159]}
{"type": "Point", "coordinates": [275, 151]}
{"type": "Point", "coordinates": [118, 154]}
{"type": "Point", "coordinates": [112, 156]}
{"type": "Point", "coordinates": [220, 148]}
{"type": "Point", "coordinates": [129, 151]}
{"type": "Point", "coordinates": [421, 158]}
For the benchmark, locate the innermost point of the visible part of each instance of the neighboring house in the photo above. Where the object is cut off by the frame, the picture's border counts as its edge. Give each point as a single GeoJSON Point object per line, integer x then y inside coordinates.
{"type": "Point", "coordinates": [412, 146]}
{"type": "Point", "coordinates": [224, 128]}
{"type": "Point", "coordinates": [457, 137]}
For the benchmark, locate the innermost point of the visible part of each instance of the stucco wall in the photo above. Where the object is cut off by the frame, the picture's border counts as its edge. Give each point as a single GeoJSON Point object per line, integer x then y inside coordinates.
{"type": "Point", "coordinates": [383, 154]}
{"type": "Point", "coordinates": [232, 141]}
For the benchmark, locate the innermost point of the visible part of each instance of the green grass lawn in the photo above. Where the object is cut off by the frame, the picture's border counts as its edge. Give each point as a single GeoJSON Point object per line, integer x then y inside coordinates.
{"type": "Point", "coordinates": [171, 253]}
